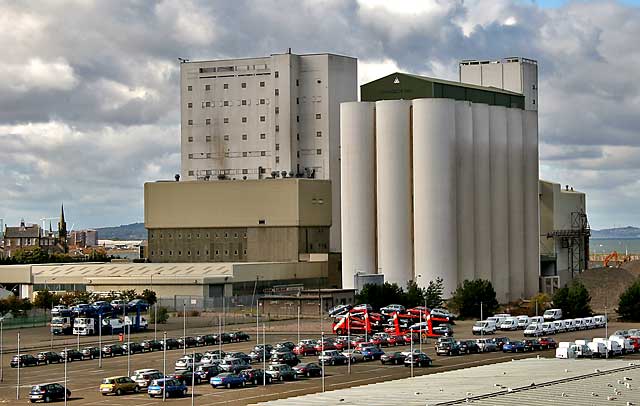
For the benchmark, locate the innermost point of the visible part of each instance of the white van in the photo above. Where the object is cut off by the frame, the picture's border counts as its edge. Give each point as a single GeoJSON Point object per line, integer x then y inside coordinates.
{"type": "Point", "coordinates": [552, 314]}
{"type": "Point", "coordinates": [625, 343]}
{"type": "Point", "coordinates": [582, 351]}
{"type": "Point", "coordinates": [569, 325]}
{"type": "Point", "coordinates": [588, 322]}
{"type": "Point", "coordinates": [498, 318]}
{"type": "Point", "coordinates": [613, 347]}
{"type": "Point", "coordinates": [600, 320]}
{"type": "Point", "coordinates": [598, 349]}
{"type": "Point", "coordinates": [483, 327]}
{"type": "Point", "coordinates": [548, 328]}
{"type": "Point", "coordinates": [565, 352]}
{"type": "Point", "coordinates": [536, 319]}
{"type": "Point", "coordinates": [579, 324]}
{"type": "Point", "coordinates": [533, 330]}
{"type": "Point", "coordinates": [523, 322]}
{"type": "Point", "coordinates": [510, 323]}
{"type": "Point", "coordinates": [559, 326]}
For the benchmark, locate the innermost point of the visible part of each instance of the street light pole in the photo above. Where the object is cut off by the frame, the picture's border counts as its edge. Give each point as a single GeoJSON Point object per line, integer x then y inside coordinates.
{"type": "Point", "coordinates": [322, 355]}
{"type": "Point", "coordinates": [1, 350]}
{"type": "Point", "coordinates": [298, 322]}
{"type": "Point", "coordinates": [164, 365]}
{"type": "Point", "coordinates": [193, 379]}
{"type": "Point", "coordinates": [184, 327]}
{"type": "Point", "coordinates": [66, 357]}
{"type": "Point", "coordinates": [257, 318]}
{"type": "Point", "coordinates": [481, 318]}
{"type": "Point", "coordinates": [129, 350]}
{"type": "Point", "coordinates": [264, 356]}
{"type": "Point", "coordinates": [100, 342]}
{"type": "Point", "coordinates": [18, 385]}
{"type": "Point", "coordinates": [412, 354]}
{"type": "Point", "coordinates": [349, 345]}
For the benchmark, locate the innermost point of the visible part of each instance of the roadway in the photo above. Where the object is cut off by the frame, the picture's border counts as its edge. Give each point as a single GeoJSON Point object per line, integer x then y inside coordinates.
{"type": "Point", "coordinates": [84, 376]}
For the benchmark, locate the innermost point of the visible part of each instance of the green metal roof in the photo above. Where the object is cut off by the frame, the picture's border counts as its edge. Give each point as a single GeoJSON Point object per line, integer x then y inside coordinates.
{"type": "Point", "coordinates": [407, 86]}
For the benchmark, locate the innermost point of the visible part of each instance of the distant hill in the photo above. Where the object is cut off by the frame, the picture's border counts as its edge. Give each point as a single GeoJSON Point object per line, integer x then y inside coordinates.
{"type": "Point", "coordinates": [135, 231]}
{"type": "Point", "coordinates": [620, 232]}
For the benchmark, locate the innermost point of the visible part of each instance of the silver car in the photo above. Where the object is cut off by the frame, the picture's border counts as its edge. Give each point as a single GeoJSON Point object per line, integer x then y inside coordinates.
{"type": "Point", "coordinates": [487, 345]}
{"type": "Point", "coordinates": [354, 355]}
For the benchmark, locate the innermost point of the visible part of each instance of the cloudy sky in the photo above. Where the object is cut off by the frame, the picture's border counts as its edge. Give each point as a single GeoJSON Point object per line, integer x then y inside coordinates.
{"type": "Point", "coordinates": [89, 89]}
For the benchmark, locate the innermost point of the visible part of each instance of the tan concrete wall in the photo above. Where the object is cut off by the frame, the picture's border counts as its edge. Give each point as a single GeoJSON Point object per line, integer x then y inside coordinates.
{"type": "Point", "coordinates": [272, 244]}
{"type": "Point", "coordinates": [15, 274]}
{"type": "Point", "coordinates": [199, 204]}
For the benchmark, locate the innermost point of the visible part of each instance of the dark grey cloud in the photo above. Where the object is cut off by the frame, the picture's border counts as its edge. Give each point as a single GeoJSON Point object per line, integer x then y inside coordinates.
{"type": "Point", "coordinates": [89, 106]}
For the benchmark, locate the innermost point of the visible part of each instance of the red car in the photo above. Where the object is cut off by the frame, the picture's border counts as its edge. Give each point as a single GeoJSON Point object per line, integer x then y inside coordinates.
{"type": "Point", "coordinates": [547, 343]}
{"type": "Point", "coordinates": [356, 340]}
{"type": "Point", "coordinates": [635, 341]}
{"type": "Point", "coordinates": [395, 340]}
{"type": "Point", "coordinates": [326, 345]}
{"type": "Point", "coordinates": [341, 344]}
{"type": "Point", "coordinates": [303, 349]}
{"type": "Point", "coordinates": [379, 340]}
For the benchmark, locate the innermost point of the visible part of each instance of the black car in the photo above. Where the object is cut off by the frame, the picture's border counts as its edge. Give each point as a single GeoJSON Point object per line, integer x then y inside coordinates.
{"type": "Point", "coordinates": [500, 341]}
{"type": "Point", "coordinates": [531, 345]}
{"type": "Point", "coordinates": [447, 348]}
{"type": "Point", "coordinates": [468, 347]}
{"type": "Point", "coordinates": [186, 376]}
{"type": "Point", "coordinates": [418, 360]}
{"type": "Point", "coordinates": [238, 336]}
{"type": "Point", "coordinates": [395, 358]}
{"type": "Point", "coordinates": [240, 355]}
{"type": "Point", "coordinates": [90, 352]}
{"type": "Point", "coordinates": [207, 339]}
{"type": "Point", "coordinates": [151, 345]}
{"type": "Point", "coordinates": [206, 372]}
{"type": "Point", "coordinates": [255, 376]}
{"type": "Point", "coordinates": [190, 341]}
{"type": "Point", "coordinates": [225, 338]}
{"type": "Point", "coordinates": [308, 369]}
{"type": "Point", "coordinates": [49, 357]}
{"type": "Point", "coordinates": [285, 346]}
{"type": "Point", "coordinates": [25, 360]}
{"type": "Point", "coordinates": [171, 344]}
{"type": "Point", "coordinates": [285, 357]}
{"type": "Point", "coordinates": [71, 355]}
{"type": "Point", "coordinates": [48, 392]}
{"type": "Point", "coordinates": [133, 348]}
{"type": "Point", "coordinates": [112, 350]}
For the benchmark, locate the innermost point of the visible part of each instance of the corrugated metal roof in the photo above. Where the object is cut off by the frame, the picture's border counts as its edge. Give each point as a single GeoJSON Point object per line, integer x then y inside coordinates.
{"type": "Point", "coordinates": [522, 382]}
{"type": "Point", "coordinates": [130, 270]}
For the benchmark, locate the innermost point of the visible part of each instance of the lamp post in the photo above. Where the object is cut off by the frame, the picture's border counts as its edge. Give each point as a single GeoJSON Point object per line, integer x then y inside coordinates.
{"type": "Point", "coordinates": [1, 350]}
{"type": "Point", "coordinates": [66, 357]}
{"type": "Point", "coordinates": [184, 327]}
{"type": "Point", "coordinates": [264, 356]}
{"type": "Point", "coordinates": [193, 379]}
{"type": "Point", "coordinates": [322, 354]}
{"type": "Point", "coordinates": [129, 350]}
{"type": "Point", "coordinates": [18, 381]}
{"type": "Point", "coordinates": [164, 363]}
{"type": "Point", "coordinates": [100, 341]}
{"type": "Point", "coordinates": [298, 321]}
{"type": "Point", "coordinates": [411, 355]}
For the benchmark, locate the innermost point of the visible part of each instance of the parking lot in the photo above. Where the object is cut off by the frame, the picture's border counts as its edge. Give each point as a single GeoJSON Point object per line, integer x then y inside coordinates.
{"type": "Point", "coordinates": [84, 376]}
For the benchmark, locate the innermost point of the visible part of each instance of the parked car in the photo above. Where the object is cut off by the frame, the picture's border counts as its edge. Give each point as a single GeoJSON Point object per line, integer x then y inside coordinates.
{"type": "Point", "coordinates": [239, 355]}
{"type": "Point", "coordinates": [395, 358]}
{"type": "Point", "coordinates": [588, 323]}
{"type": "Point", "coordinates": [447, 348]}
{"type": "Point", "coordinates": [418, 360]}
{"type": "Point", "coordinates": [486, 345]}
{"type": "Point", "coordinates": [189, 361]}
{"type": "Point", "coordinates": [339, 309]}
{"type": "Point", "coordinates": [392, 308]}
{"type": "Point", "coordinates": [599, 320]}
{"type": "Point", "coordinates": [24, 360]}
{"type": "Point", "coordinates": [308, 369]}
{"type": "Point", "coordinates": [141, 304]}
{"type": "Point", "coordinates": [171, 344]}
{"type": "Point", "coordinates": [396, 340]}
{"type": "Point", "coordinates": [287, 357]}
{"type": "Point", "coordinates": [56, 310]}
{"type": "Point", "coordinates": [151, 345]}
{"type": "Point", "coordinates": [332, 357]}
{"type": "Point", "coordinates": [569, 325]}
{"type": "Point", "coordinates": [513, 346]}
{"type": "Point", "coordinates": [304, 349]}
{"type": "Point", "coordinates": [238, 336]}
{"type": "Point", "coordinates": [468, 347]}
{"type": "Point", "coordinates": [371, 352]}
{"type": "Point", "coordinates": [71, 355]}
{"type": "Point", "coordinates": [483, 327]}
{"type": "Point", "coordinates": [552, 314]}
{"type": "Point", "coordinates": [144, 379]}
{"type": "Point", "coordinates": [111, 350]}
{"type": "Point", "coordinates": [500, 342]}
{"type": "Point", "coordinates": [206, 372]}
{"type": "Point", "coordinates": [49, 357]}
{"type": "Point", "coordinates": [256, 376]}
{"type": "Point", "coordinates": [212, 357]}
{"type": "Point", "coordinates": [531, 345]}
{"type": "Point", "coordinates": [225, 338]}
{"type": "Point", "coordinates": [523, 322]}
{"type": "Point", "coordinates": [171, 387]}
{"type": "Point", "coordinates": [579, 324]}
{"type": "Point", "coordinates": [328, 345]}
{"type": "Point", "coordinates": [90, 352]}
{"type": "Point", "coordinates": [234, 365]}
{"type": "Point", "coordinates": [598, 349]}
{"type": "Point", "coordinates": [206, 339]}
{"type": "Point", "coordinates": [118, 304]}
{"type": "Point", "coordinates": [118, 385]}
{"type": "Point", "coordinates": [533, 330]}
{"type": "Point", "coordinates": [190, 341]}
{"type": "Point", "coordinates": [281, 372]}
{"type": "Point", "coordinates": [48, 392]}
{"type": "Point", "coordinates": [227, 380]}
{"type": "Point", "coordinates": [547, 343]}
{"type": "Point", "coordinates": [132, 348]}
{"type": "Point", "coordinates": [284, 346]}
{"type": "Point", "coordinates": [186, 376]}
{"type": "Point", "coordinates": [443, 330]}
{"type": "Point", "coordinates": [510, 323]}
{"type": "Point", "coordinates": [559, 326]}
{"type": "Point", "coordinates": [548, 328]}
{"type": "Point", "coordinates": [354, 356]}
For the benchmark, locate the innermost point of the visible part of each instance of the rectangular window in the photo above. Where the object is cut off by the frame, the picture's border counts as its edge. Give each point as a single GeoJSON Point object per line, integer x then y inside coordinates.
{"type": "Point", "coordinates": [318, 133]}
{"type": "Point", "coordinates": [297, 119]}
{"type": "Point", "coordinates": [262, 101]}
{"type": "Point", "coordinates": [189, 88]}
{"type": "Point", "coordinates": [244, 102]}
{"type": "Point", "coordinates": [243, 85]}
{"type": "Point", "coordinates": [298, 154]}
{"type": "Point", "coordinates": [225, 103]}
{"type": "Point", "coordinates": [208, 154]}
{"type": "Point", "coordinates": [190, 173]}
{"type": "Point", "coordinates": [263, 118]}
{"type": "Point", "coordinates": [207, 138]}
{"type": "Point", "coordinates": [244, 154]}
{"type": "Point", "coordinates": [297, 100]}
{"type": "Point", "coordinates": [190, 105]}
{"type": "Point", "coordinates": [207, 104]}
{"type": "Point", "coordinates": [277, 110]}
{"type": "Point", "coordinates": [261, 84]}
{"type": "Point", "coordinates": [277, 147]}
{"type": "Point", "coordinates": [318, 116]}
{"type": "Point", "coordinates": [263, 136]}
{"type": "Point", "coordinates": [276, 74]}
{"type": "Point", "coordinates": [245, 171]}
{"type": "Point", "coordinates": [277, 159]}
{"type": "Point", "coordinates": [225, 86]}
{"type": "Point", "coordinates": [318, 151]}
{"type": "Point", "coordinates": [244, 119]}
{"type": "Point", "coordinates": [226, 120]}
{"type": "Point", "coordinates": [277, 128]}
{"type": "Point", "coordinates": [208, 121]}
{"type": "Point", "coordinates": [277, 92]}
{"type": "Point", "coordinates": [226, 137]}
{"type": "Point", "coordinates": [244, 137]}
{"type": "Point", "coordinates": [263, 153]}
{"type": "Point", "coordinates": [190, 122]}
{"type": "Point", "coordinates": [297, 82]}
{"type": "Point", "coordinates": [190, 156]}
{"type": "Point", "coordinates": [207, 87]}
{"type": "Point", "coordinates": [190, 139]}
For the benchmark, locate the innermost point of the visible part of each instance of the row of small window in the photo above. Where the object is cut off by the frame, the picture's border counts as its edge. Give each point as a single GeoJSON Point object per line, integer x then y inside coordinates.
{"type": "Point", "coordinates": [217, 252]}
{"type": "Point", "coordinates": [224, 86]}
{"type": "Point", "coordinates": [245, 154]}
{"type": "Point", "coordinates": [263, 119]}
{"type": "Point", "coordinates": [245, 137]}
{"type": "Point", "coordinates": [227, 103]}
{"type": "Point", "coordinates": [207, 235]}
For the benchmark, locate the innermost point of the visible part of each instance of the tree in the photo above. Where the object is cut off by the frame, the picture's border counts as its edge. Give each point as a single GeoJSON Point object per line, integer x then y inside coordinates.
{"type": "Point", "coordinates": [71, 298]}
{"type": "Point", "coordinates": [539, 302]}
{"type": "Point", "coordinates": [46, 300]}
{"type": "Point", "coordinates": [128, 295]}
{"type": "Point", "coordinates": [414, 295]}
{"type": "Point", "coordinates": [573, 300]}
{"type": "Point", "coordinates": [149, 296]}
{"type": "Point", "coordinates": [629, 303]}
{"type": "Point", "coordinates": [468, 296]}
{"type": "Point", "coordinates": [433, 293]}
{"type": "Point", "coordinates": [163, 315]}
{"type": "Point", "coordinates": [380, 295]}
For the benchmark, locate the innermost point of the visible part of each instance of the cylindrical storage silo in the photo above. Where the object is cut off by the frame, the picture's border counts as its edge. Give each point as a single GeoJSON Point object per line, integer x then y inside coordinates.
{"type": "Point", "coordinates": [531, 202]}
{"type": "Point", "coordinates": [516, 203]}
{"type": "Point", "coordinates": [434, 192]}
{"type": "Point", "coordinates": [499, 202]}
{"type": "Point", "coordinates": [465, 191]}
{"type": "Point", "coordinates": [393, 190]}
{"type": "Point", "coordinates": [482, 190]}
{"type": "Point", "coordinates": [357, 187]}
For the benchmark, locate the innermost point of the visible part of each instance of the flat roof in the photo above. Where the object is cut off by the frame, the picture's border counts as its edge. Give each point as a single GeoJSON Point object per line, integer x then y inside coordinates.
{"type": "Point", "coordinates": [269, 56]}
{"type": "Point", "coordinates": [531, 381]}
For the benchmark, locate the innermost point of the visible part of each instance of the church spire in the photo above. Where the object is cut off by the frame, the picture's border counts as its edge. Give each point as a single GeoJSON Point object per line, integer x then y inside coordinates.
{"type": "Point", "coordinates": [62, 229]}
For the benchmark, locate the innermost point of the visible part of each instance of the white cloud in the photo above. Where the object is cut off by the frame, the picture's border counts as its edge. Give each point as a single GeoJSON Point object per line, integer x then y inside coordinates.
{"type": "Point", "coordinates": [36, 74]}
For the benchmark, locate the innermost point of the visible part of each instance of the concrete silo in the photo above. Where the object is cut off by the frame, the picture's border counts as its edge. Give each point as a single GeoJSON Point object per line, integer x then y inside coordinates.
{"type": "Point", "coordinates": [531, 215]}
{"type": "Point", "coordinates": [465, 190]}
{"type": "Point", "coordinates": [357, 164]}
{"type": "Point", "coordinates": [516, 203]}
{"type": "Point", "coordinates": [435, 240]}
{"type": "Point", "coordinates": [482, 190]}
{"type": "Point", "coordinates": [499, 201]}
{"type": "Point", "coordinates": [393, 193]}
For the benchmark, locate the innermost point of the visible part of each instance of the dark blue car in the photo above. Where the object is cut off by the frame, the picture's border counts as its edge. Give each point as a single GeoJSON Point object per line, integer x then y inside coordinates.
{"type": "Point", "coordinates": [228, 380]}
{"type": "Point", "coordinates": [172, 386]}
{"type": "Point", "coordinates": [371, 352]}
{"type": "Point", "coordinates": [513, 346]}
